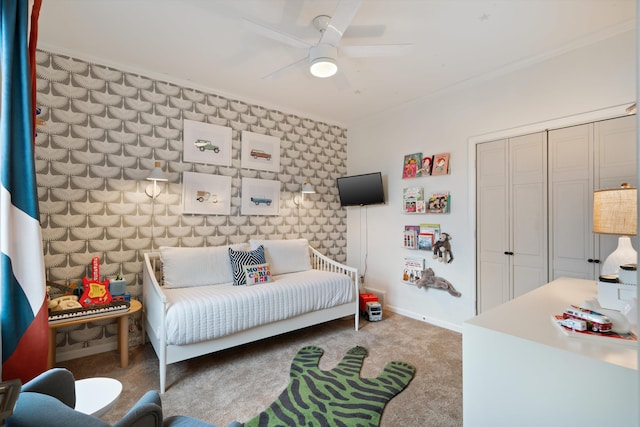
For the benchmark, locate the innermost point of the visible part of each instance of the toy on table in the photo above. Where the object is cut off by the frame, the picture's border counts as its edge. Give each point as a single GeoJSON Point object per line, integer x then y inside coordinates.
{"type": "Point", "coordinates": [95, 291]}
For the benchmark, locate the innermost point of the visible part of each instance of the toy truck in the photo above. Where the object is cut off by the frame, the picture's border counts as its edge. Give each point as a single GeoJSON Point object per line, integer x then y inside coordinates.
{"type": "Point", "coordinates": [595, 321]}
{"type": "Point", "coordinates": [370, 307]}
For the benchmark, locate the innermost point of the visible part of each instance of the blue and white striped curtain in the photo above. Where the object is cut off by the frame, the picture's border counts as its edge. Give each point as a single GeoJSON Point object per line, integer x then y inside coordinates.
{"type": "Point", "coordinates": [23, 305]}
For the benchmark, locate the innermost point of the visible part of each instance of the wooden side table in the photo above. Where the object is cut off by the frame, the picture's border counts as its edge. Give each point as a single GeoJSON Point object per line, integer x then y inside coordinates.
{"type": "Point", "coordinates": [123, 331]}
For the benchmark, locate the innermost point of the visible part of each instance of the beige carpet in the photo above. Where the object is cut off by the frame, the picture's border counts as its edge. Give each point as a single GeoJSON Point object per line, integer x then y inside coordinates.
{"type": "Point", "coordinates": [237, 384]}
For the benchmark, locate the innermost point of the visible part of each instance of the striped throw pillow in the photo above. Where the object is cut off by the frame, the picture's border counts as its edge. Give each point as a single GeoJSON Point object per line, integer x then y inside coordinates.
{"type": "Point", "coordinates": [241, 258]}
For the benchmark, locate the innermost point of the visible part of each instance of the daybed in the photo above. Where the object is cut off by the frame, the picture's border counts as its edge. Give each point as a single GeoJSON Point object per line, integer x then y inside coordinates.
{"type": "Point", "coordinates": [195, 304]}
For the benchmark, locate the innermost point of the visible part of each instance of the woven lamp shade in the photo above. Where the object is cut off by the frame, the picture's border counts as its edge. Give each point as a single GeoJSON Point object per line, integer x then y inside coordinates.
{"type": "Point", "coordinates": [615, 211]}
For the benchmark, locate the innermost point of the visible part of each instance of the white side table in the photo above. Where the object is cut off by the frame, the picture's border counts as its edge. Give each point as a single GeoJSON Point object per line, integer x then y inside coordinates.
{"type": "Point", "coordinates": [95, 396]}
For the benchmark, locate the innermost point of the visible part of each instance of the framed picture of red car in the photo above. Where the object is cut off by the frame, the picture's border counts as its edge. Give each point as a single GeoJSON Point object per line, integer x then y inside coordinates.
{"type": "Point", "coordinates": [261, 152]}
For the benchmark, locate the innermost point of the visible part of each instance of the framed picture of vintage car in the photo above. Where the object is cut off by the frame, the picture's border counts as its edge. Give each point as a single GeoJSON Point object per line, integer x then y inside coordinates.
{"type": "Point", "coordinates": [206, 194]}
{"type": "Point", "coordinates": [206, 143]}
{"type": "Point", "coordinates": [261, 152]}
{"type": "Point", "coordinates": [260, 197]}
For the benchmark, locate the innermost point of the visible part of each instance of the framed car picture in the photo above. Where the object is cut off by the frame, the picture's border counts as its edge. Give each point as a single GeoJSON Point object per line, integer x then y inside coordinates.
{"type": "Point", "coordinates": [260, 197]}
{"type": "Point", "coordinates": [206, 143]}
{"type": "Point", "coordinates": [260, 152]}
{"type": "Point", "coordinates": [206, 194]}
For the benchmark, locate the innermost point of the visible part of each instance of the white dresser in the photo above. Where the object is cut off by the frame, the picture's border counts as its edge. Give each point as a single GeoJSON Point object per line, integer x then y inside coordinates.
{"type": "Point", "coordinates": [519, 369]}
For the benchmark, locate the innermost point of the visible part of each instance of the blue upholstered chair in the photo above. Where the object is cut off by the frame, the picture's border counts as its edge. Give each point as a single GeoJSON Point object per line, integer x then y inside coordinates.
{"type": "Point", "coordinates": [48, 401]}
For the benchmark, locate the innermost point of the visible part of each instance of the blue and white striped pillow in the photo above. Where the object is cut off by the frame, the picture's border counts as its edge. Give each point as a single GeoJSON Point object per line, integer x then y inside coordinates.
{"type": "Point", "coordinates": [241, 258]}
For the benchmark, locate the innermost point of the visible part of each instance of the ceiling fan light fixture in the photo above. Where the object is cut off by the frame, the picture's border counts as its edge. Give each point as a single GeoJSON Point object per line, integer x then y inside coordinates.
{"type": "Point", "coordinates": [323, 60]}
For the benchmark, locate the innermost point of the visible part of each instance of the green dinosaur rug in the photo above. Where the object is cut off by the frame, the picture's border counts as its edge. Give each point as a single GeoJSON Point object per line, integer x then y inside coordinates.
{"type": "Point", "coordinates": [338, 397]}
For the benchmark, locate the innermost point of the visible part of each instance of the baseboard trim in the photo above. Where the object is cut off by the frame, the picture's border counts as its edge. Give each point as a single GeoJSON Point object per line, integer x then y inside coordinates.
{"type": "Point", "coordinates": [436, 322]}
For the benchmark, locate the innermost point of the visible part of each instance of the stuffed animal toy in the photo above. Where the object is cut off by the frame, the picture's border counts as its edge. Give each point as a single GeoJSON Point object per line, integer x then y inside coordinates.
{"type": "Point", "coordinates": [430, 280]}
{"type": "Point", "coordinates": [442, 249]}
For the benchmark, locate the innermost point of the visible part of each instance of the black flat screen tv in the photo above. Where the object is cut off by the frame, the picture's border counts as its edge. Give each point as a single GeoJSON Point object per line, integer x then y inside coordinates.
{"type": "Point", "coordinates": [360, 190]}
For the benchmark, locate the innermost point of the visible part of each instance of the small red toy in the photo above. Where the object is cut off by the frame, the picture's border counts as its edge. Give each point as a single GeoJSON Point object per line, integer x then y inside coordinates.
{"type": "Point", "coordinates": [95, 291]}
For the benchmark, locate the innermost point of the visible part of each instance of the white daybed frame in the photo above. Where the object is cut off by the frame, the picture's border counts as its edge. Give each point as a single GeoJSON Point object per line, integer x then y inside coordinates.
{"type": "Point", "coordinates": [154, 309]}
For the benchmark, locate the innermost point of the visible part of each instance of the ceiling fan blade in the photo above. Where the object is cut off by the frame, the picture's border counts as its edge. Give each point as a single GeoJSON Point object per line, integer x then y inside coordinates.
{"type": "Point", "coordinates": [374, 50]}
{"type": "Point", "coordinates": [275, 34]}
{"type": "Point", "coordinates": [340, 20]}
{"type": "Point", "coordinates": [372, 30]}
{"type": "Point", "coordinates": [341, 81]}
{"type": "Point", "coordinates": [281, 71]}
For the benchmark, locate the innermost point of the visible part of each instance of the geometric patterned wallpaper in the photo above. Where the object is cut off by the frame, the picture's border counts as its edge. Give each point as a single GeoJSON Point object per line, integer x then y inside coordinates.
{"type": "Point", "coordinates": [105, 129]}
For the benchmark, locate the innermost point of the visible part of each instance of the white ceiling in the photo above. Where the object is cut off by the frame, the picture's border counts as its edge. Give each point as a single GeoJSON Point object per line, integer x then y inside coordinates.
{"type": "Point", "coordinates": [203, 44]}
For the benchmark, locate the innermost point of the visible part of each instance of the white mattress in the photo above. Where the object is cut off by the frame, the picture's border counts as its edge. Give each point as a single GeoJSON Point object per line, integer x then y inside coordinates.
{"type": "Point", "coordinates": [206, 312]}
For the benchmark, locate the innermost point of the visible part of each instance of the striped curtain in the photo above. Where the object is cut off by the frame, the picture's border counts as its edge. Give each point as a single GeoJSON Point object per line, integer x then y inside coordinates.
{"type": "Point", "coordinates": [23, 305]}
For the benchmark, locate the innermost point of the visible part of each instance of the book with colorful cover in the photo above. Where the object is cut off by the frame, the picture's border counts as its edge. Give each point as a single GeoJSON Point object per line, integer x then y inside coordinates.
{"type": "Point", "coordinates": [440, 164]}
{"type": "Point", "coordinates": [412, 165]}
{"type": "Point", "coordinates": [412, 269]}
{"type": "Point", "coordinates": [411, 233]}
{"type": "Point", "coordinates": [428, 235]}
{"type": "Point", "coordinates": [630, 339]}
{"type": "Point", "coordinates": [439, 202]}
{"type": "Point", "coordinates": [413, 200]}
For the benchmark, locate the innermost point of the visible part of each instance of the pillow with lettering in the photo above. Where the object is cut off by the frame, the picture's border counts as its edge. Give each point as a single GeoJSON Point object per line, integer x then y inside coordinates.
{"type": "Point", "coordinates": [257, 274]}
{"type": "Point", "coordinates": [241, 258]}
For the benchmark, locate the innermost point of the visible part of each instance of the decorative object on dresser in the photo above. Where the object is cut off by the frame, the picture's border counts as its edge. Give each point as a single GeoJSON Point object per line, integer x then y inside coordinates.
{"type": "Point", "coordinates": [615, 212]}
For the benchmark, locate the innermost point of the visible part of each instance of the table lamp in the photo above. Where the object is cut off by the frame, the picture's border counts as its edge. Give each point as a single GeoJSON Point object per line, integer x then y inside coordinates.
{"type": "Point", "coordinates": [615, 212]}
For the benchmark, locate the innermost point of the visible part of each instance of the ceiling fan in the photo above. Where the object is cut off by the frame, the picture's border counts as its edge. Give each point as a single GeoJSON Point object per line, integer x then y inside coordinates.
{"type": "Point", "coordinates": [322, 57]}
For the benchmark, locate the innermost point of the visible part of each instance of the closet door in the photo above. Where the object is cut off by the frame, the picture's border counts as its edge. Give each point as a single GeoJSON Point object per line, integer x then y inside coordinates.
{"type": "Point", "coordinates": [528, 212]}
{"type": "Point", "coordinates": [583, 159]}
{"type": "Point", "coordinates": [493, 265]}
{"type": "Point", "coordinates": [571, 159]}
{"type": "Point", "coordinates": [512, 218]}
{"type": "Point", "coordinates": [616, 163]}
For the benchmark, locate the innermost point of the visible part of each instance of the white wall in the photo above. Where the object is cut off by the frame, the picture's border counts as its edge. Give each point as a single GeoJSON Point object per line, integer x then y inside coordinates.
{"type": "Point", "coordinates": [570, 87]}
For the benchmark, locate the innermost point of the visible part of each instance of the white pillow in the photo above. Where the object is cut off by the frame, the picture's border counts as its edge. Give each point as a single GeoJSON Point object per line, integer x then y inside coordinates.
{"type": "Point", "coordinates": [285, 256]}
{"type": "Point", "coordinates": [187, 267]}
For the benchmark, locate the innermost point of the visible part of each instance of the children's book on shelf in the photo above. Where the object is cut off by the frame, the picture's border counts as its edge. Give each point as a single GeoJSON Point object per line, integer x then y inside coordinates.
{"type": "Point", "coordinates": [439, 202]}
{"type": "Point", "coordinates": [412, 269]}
{"type": "Point", "coordinates": [428, 235]}
{"type": "Point", "coordinates": [630, 338]}
{"type": "Point", "coordinates": [413, 200]}
{"type": "Point", "coordinates": [412, 165]}
{"type": "Point", "coordinates": [427, 162]}
{"type": "Point", "coordinates": [411, 236]}
{"type": "Point", "coordinates": [440, 164]}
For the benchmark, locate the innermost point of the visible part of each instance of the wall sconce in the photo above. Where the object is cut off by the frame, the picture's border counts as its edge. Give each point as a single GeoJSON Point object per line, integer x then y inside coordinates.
{"type": "Point", "coordinates": [615, 212]}
{"type": "Point", "coordinates": [156, 175]}
{"type": "Point", "coordinates": [307, 188]}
